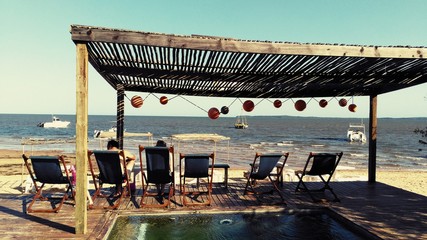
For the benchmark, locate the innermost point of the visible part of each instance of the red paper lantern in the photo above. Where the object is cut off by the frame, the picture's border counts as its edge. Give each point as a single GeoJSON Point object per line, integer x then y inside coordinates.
{"type": "Point", "coordinates": [248, 105]}
{"type": "Point", "coordinates": [213, 113]}
{"type": "Point", "coordinates": [300, 105]}
{"type": "Point", "coordinates": [225, 110]}
{"type": "Point", "coordinates": [352, 107]}
{"type": "Point", "coordinates": [136, 101]}
{"type": "Point", "coordinates": [342, 102]}
{"type": "Point", "coordinates": [164, 100]}
{"type": "Point", "coordinates": [277, 103]}
{"type": "Point", "coordinates": [323, 103]}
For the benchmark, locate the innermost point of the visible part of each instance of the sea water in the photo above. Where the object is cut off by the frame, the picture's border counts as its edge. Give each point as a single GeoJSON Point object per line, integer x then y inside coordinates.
{"type": "Point", "coordinates": [398, 146]}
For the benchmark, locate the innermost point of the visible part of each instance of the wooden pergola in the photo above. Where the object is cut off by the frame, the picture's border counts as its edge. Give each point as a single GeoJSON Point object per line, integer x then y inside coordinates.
{"type": "Point", "coordinates": [199, 65]}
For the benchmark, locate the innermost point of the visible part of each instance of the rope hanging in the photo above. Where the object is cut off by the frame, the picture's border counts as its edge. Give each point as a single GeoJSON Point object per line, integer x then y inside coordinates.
{"type": "Point", "coordinates": [193, 104]}
{"type": "Point", "coordinates": [248, 105]}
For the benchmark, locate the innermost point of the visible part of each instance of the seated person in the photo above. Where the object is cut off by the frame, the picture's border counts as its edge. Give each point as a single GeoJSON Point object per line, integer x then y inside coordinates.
{"type": "Point", "coordinates": [113, 145]}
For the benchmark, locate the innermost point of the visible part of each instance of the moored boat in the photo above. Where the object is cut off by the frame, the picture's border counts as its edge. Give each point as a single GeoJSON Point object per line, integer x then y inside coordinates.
{"type": "Point", "coordinates": [241, 122]}
{"type": "Point", "coordinates": [56, 123]}
{"type": "Point", "coordinates": [356, 133]}
{"type": "Point", "coordinates": [112, 133]}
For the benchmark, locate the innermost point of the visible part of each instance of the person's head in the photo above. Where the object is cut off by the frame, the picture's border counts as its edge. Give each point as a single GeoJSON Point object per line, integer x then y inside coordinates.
{"type": "Point", "coordinates": [160, 143]}
{"type": "Point", "coordinates": [112, 144]}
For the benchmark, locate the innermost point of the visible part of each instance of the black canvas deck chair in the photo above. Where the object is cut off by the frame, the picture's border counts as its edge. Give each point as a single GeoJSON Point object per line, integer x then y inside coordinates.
{"type": "Point", "coordinates": [196, 166]}
{"type": "Point", "coordinates": [47, 170]}
{"type": "Point", "coordinates": [112, 170]}
{"type": "Point", "coordinates": [277, 175]}
{"type": "Point", "coordinates": [261, 169]}
{"type": "Point", "coordinates": [322, 165]}
{"type": "Point", "coordinates": [159, 172]}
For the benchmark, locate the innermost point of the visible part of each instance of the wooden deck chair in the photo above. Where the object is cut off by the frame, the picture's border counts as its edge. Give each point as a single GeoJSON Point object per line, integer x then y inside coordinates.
{"type": "Point", "coordinates": [159, 171]}
{"type": "Point", "coordinates": [262, 168]}
{"type": "Point", "coordinates": [278, 174]}
{"type": "Point", "coordinates": [321, 164]}
{"type": "Point", "coordinates": [47, 170]}
{"type": "Point", "coordinates": [112, 170]}
{"type": "Point", "coordinates": [196, 166]}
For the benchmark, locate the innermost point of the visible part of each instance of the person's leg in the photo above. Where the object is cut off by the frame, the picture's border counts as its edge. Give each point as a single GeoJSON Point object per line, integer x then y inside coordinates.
{"type": "Point", "coordinates": [118, 190]}
{"type": "Point", "coordinates": [159, 189]}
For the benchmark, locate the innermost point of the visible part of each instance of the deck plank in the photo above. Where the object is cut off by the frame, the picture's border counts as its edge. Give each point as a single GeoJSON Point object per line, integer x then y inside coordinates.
{"type": "Point", "coordinates": [388, 212]}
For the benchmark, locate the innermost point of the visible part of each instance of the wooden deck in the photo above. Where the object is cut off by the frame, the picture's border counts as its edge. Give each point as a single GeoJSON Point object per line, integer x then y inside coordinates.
{"type": "Point", "coordinates": [388, 212]}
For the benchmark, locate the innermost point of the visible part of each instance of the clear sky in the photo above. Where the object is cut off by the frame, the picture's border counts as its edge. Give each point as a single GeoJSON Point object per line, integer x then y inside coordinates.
{"type": "Point", "coordinates": [37, 68]}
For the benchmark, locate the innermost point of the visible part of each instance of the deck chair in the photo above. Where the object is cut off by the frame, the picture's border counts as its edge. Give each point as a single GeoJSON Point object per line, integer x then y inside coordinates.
{"type": "Point", "coordinates": [196, 166]}
{"type": "Point", "coordinates": [321, 164]}
{"type": "Point", "coordinates": [47, 170]}
{"type": "Point", "coordinates": [159, 161]}
{"type": "Point", "coordinates": [112, 170]}
{"type": "Point", "coordinates": [278, 174]}
{"type": "Point", "coordinates": [262, 168]}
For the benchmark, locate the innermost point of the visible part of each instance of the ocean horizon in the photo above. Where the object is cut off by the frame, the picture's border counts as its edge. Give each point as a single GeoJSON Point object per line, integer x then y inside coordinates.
{"type": "Point", "coordinates": [398, 147]}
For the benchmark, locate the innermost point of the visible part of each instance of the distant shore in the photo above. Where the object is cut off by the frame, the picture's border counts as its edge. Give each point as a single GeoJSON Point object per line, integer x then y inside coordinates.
{"type": "Point", "coordinates": [410, 180]}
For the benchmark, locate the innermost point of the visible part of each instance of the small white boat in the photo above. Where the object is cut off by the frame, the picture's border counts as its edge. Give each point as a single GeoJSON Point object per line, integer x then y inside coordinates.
{"type": "Point", "coordinates": [356, 133]}
{"type": "Point", "coordinates": [241, 122]}
{"type": "Point", "coordinates": [112, 133]}
{"type": "Point", "coordinates": [56, 123]}
{"type": "Point", "coordinates": [105, 134]}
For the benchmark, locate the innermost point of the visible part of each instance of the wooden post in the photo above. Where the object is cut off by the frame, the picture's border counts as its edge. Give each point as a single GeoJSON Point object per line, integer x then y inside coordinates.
{"type": "Point", "coordinates": [81, 137]}
{"type": "Point", "coordinates": [120, 114]}
{"type": "Point", "coordinates": [372, 164]}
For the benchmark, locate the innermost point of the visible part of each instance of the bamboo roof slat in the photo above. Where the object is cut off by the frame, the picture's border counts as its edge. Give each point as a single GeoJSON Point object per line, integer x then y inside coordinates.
{"type": "Point", "coordinates": [225, 67]}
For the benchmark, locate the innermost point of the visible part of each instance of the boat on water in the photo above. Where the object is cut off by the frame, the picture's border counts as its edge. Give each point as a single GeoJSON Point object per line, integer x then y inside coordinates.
{"type": "Point", "coordinates": [55, 123]}
{"type": "Point", "coordinates": [105, 133]}
{"type": "Point", "coordinates": [112, 133]}
{"type": "Point", "coordinates": [241, 122]}
{"type": "Point", "coordinates": [356, 133]}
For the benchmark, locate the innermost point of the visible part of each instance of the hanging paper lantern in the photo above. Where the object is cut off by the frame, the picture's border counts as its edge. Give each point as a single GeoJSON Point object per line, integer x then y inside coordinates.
{"type": "Point", "coordinates": [352, 107]}
{"type": "Point", "coordinates": [323, 103]}
{"type": "Point", "coordinates": [248, 105]}
{"type": "Point", "coordinates": [277, 103]}
{"type": "Point", "coordinates": [342, 102]}
{"type": "Point", "coordinates": [136, 101]}
{"type": "Point", "coordinates": [164, 100]}
{"type": "Point", "coordinates": [224, 110]}
{"type": "Point", "coordinates": [300, 105]}
{"type": "Point", "coordinates": [213, 113]}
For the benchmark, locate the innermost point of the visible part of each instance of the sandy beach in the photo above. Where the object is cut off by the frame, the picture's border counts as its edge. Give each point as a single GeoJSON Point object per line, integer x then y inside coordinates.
{"type": "Point", "coordinates": [12, 170]}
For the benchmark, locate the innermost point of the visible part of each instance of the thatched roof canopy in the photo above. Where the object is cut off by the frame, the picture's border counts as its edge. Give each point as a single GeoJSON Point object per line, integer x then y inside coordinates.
{"type": "Point", "coordinates": [223, 67]}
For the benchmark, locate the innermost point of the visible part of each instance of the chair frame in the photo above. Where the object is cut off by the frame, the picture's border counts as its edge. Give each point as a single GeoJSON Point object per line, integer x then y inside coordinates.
{"type": "Point", "coordinates": [266, 174]}
{"type": "Point", "coordinates": [113, 202]}
{"type": "Point", "coordinates": [39, 195]}
{"type": "Point", "coordinates": [302, 173]}
{"type": "Point", "coordinates": [195, 194]}
{"type": "Point", "coordinates": [145, 183]}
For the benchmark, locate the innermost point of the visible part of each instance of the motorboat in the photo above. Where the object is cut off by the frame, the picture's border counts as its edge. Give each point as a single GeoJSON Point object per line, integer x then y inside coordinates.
{"type": "Point", "coordinates": [356, 133]}
{"type": "Point", "coordinates": [105, 133]}
{"type": "Point", "coordinates": [56, 123]}
{"type": "Point", "coordinates": [241, 122]}
{"type": "Point", "coordinates": [112, 133]}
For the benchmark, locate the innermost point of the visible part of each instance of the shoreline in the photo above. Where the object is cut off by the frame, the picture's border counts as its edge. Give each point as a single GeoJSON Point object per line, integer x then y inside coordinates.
{"type": "Point", "coordinates": [11, 166]}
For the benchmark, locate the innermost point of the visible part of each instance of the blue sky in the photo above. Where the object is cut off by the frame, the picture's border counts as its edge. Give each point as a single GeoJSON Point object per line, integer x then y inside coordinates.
{"type": "Point", "coordinates": [37, 69]}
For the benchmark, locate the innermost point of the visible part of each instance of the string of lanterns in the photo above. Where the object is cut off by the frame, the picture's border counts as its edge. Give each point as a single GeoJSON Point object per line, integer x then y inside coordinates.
{"type": "Point", "coordinates": [248, 105]}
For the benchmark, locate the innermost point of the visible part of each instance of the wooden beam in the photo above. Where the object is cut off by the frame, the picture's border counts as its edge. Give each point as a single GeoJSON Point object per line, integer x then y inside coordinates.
{"type": "Point", "coordinates": [372, 164]}
{"type": "Point", "coordinates": [81, 138]}
{"type": "Point", "coordinates": [97, 34]}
